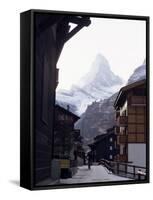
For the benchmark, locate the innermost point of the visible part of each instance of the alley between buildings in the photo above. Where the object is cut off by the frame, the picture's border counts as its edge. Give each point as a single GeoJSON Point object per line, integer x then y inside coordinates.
{"type": "Point", "coordinates": [97, 173]}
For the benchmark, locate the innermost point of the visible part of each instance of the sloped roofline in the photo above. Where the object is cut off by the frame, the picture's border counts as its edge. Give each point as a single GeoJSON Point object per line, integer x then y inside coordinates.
{"type": "Point", "coordinates": [67, 111]}
{"type": "Point", "coordinates": [126, 88]}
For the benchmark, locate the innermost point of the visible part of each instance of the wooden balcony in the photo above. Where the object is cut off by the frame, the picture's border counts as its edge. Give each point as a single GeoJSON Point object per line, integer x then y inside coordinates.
{"type": "Point", "coordinates": [122, 121]}
{"type": "Point", "coordinates": [117, 130]}
{"type": "Point", "coordinates": [138, 100]}
{"type": "Point", "coordinates": [136, 138]}
{"type": "Point", "coordinates": [122, 139]}
{"type": "Point", "coordinates": [131, 138]}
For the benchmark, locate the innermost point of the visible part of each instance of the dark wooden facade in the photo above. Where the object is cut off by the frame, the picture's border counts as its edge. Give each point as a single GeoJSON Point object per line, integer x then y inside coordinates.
{"type": "Point", "coordinates": [51, 33]}
{"type": "Point", "coordinates": [66, 141]}
{"type": "Point", "coordinates": [104, 146]}
{"type": "Point", "coordinates": [64, 132]}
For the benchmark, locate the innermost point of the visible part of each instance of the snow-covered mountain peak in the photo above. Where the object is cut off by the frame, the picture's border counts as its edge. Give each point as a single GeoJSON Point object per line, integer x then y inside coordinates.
{"type": "Point", "coordinates": [98, 84]}
{"type": "Point", "coordinates": [101, 62]}
{"type": "Point", "coordinates": [100, 72]}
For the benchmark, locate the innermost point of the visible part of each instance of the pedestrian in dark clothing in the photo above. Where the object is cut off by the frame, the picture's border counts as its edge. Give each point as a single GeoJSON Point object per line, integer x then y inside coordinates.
{"type": "Point", "coordinates": [89, 160]}
{"type": "Point", "coordinates": [84, 158]}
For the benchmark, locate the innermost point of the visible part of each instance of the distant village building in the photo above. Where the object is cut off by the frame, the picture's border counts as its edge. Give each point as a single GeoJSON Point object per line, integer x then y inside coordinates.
{"type": "Point", "coordinates": [130, 106]}
{"type": "Point", "coordinates": [66, 140]}
{"type": "Point", "coordinates": [104, 146]}
{"type": "Point", "coordinates": [63, 132]}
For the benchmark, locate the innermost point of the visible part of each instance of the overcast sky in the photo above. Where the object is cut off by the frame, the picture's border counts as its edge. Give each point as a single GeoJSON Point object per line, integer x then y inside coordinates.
{"type": "Point", "coordinates": [122, 42]}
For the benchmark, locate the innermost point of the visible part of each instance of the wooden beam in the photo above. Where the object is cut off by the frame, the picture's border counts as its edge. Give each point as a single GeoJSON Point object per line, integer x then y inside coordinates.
{"type": "Point", "coordinates": [80, 20]}
{"type": "Point", "coordinates": [73, 32]}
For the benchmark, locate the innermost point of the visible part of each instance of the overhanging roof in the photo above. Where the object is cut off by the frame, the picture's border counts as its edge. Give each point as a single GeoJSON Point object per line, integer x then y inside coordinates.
{"type": "Point", "coordinates": [123, 91]}
{"type": "Point", "coordinates": [67, 112]}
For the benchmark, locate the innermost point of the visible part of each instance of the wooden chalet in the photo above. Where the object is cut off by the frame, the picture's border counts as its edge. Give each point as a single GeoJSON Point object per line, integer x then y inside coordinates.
{"type": "Point", "coordinates": [63, 132]}
{"type": "Point", "coordinates": [130, 106]}
{"type": "Point", "coordinates": [65, 142]}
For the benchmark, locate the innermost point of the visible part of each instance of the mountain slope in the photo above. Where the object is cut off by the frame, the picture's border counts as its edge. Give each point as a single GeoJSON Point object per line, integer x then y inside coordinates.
{"type": "Point", "coordinates": [100, 116]}
{"type": "Point", "coordinates": [138, 74]}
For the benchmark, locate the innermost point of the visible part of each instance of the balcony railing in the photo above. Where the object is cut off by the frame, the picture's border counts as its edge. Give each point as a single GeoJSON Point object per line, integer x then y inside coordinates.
{"type": "Point", "coordinates": [125, 169]}
{"type": "Point", "coordinates": [138, 100]}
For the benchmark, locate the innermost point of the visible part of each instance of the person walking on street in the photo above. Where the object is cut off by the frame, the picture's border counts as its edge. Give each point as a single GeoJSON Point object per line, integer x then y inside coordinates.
{"type": "Point", "coordinates": [89, 160]}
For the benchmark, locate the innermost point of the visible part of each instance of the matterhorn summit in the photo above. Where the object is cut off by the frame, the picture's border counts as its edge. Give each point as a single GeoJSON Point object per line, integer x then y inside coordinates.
{"type": "Point", "coordinates": [98, 84]}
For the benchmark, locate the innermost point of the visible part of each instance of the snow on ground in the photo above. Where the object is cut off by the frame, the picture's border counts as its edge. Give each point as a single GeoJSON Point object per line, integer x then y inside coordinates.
{"type": "Point", "coordinates": [97, 173]}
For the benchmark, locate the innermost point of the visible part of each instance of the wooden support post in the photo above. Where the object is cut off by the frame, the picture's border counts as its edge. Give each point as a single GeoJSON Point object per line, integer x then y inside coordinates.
{"type": "Point", "coordinates": [117, 168]}
{"type": "Point", "coordinates": [139, 176]}
{"type": "Point", "coordinates": [134, 171]}
{"type": "Point", "coordinates": [126, 169]}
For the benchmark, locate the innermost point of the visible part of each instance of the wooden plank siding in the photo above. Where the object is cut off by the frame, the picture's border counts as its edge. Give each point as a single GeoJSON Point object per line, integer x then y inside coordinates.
{"type": "Point", "coordinates": [137, 122]}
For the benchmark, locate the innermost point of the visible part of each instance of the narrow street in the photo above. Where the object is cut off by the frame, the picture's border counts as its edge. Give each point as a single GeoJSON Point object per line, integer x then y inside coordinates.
{"type": "Point", "coordinates": [97, 173]}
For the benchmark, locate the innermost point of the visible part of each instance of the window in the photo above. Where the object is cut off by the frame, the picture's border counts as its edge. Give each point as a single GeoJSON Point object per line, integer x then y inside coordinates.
{"type": "Point", "coordinates": [132, 119]}
{"type": "Point", "coordinates": [139, 92]}
{"type": "Point", "coordinates": [131, 110]}
{"type": "Point", "coordinates": [110, 148]}
{"type": "Point", "coordinates": [140, 128]}
{"type": "Point", "coordinates": [61, 117]}
{"type": "Point", "coordinates": [110, 157]}
{"type": "Point", "coordinates": [121, 149]}
{"type": "Point", "coordinates": [131, 128]}
{"type": "Point", "coordinates": [140, 118]}
{"type": "Point", "coordinates": [141, 110]}
{"type": "Point", "coordinates": [110, 139]}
